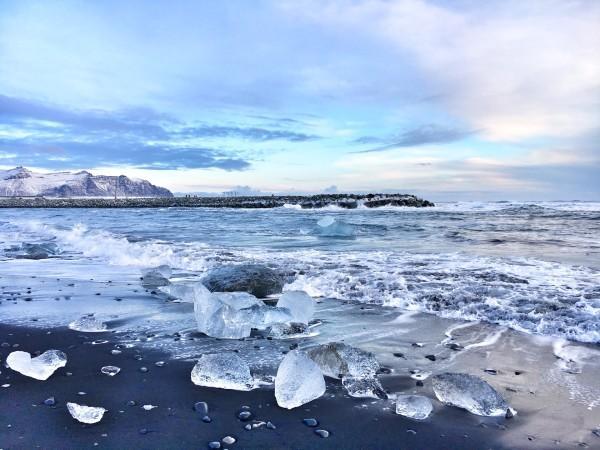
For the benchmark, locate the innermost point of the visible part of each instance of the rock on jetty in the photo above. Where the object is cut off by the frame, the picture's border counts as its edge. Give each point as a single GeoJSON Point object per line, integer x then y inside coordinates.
{"type": "Point", "coordinates": [346, 201]}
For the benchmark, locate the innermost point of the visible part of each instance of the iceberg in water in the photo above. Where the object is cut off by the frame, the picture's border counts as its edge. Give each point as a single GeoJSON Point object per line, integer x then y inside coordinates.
{"type": "Point", "coordinates": [471, 393]}
{"type": "Point", "coordinates": [299, 303]}
{"type": "Point", "coordinates": [413, 406]}
{"type": "Point", "coordinates": [85, 414]}
{"type": "Point", "coordinates": [299, 380]}
{"type": "Point", "coordinates": [88, 324]}
{"type": "Point", "coordinates": [332, 227]}
{"type": "Point", "coordinates": [356, 368]}
{"type": "Point", "coordinates": [224, 371]}
{"type": "Point", "coordinates": [40, 367]}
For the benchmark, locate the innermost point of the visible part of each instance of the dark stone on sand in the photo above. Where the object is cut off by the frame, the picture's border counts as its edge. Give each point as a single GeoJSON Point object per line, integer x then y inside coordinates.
{"type": "Point", "coordinates": [419, 383]}
{"type": "Point", "coordinates": [491, 371]}
{"type": "Point", "coordinates": [454, 346]}
{"type": "Point", "coordinates": [509, 414]}
{"type": "Point", "coordinates": [322, 433]}
{"type": "Point", "coordinates": [430, 357]}
{"type": "Point", "coordinates": [399, 355]}
{"type": "Point", "coordinates": [310, 422]}
{"type": "Point", "coordinates": [245, 415]}
{"type": "Point", "coordinates": [256, 279]}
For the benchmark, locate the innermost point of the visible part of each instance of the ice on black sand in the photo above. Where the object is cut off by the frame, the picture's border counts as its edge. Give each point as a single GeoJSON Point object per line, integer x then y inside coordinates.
{"type": "Point", "coordinates": [471, 393]}
{"type": "Point", "coordinates": [40, 367]}
{"type": "Point", "coordinates": [356, 368]}
{"type": "Point", "coordinates": [88, 324]}
{"type": "Point", "coordinates": [299, 380]}
{"type": "Point", "coordinates": [299, 303]}
{"type": "Point", "coordinates": [111, 371]}
{"type": "Point", "coordinates": [86, 414]}
{"type": "Point", "coordinates": [413, 406]}
{"type": "Point", "coordinates": [223, 370]}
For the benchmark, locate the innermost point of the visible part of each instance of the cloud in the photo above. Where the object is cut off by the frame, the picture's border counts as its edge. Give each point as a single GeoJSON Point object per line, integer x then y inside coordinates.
{"type": "Point", "coordinates": [514, 69]}
{"type": "Point", "coordinates": [34, 133]}
{"type": "Point", "coordinates": [426, 134]}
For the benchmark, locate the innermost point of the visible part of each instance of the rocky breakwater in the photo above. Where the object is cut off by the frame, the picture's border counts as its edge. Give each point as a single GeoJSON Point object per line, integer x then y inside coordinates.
{"type": "Point", "coordinates": [346, 201]}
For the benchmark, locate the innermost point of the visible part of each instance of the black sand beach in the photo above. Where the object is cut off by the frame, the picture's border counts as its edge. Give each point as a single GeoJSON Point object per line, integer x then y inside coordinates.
{"type": "Point", "coordinates": [25, 422]}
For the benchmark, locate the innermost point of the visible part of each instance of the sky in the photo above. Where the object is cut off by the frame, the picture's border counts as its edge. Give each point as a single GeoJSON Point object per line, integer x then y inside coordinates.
{"type": "Point", "coordinates": [450, 100]}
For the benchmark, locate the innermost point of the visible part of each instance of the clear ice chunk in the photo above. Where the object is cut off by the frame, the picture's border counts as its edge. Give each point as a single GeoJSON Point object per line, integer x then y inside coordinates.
{"type": "Point", "coordinates": [40, 367]}
{"type": "Point", "coordinates": [299, 303]}
{"type": "Point", "coordinates": [471, 393]}
{"type": "Point", "coordinates": [368, 387]}
{"type": "Point", "coordinates": [232, 315]}
{"type": "Point", "coordinates": [331, 227]}
{"type": "Point", "coordinates": [182, 292]}
{"type": "Point", "coordinates": [356, 368]}
{"type": "Point", "coordinates": [299, 380]}
{"type": "Point", "coordinates": [111, 371]}
{"type": "Point", "coordinates": [88, 324]}
{"type": "Point", "coordinates": [414, 406]}
{"type": "Point", "coordinates": [85, 414]}
{"type": "Point", "coordinates": [224, 371]}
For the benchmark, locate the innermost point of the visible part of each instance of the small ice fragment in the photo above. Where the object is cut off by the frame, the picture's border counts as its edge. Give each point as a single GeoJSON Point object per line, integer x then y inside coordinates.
{"type": "Point", "coordinates": [299, 380]}
{"type": "Point", "coordinates": [224, 371]}
{"type": "Point", "coordinates": [413, 406]}
{"type": "Point", "coordinates": [471, 393]}
{"type": "Point", "coordinates": [156, 276]}
{"type": "Point", "coordinates": [228, 440]}
{"type": "Point", "coordinates": [149, 407]}
{"type": "Point", "coordinates": [88, 324]}
{"type": "Point", "coordinates": [182, 292]}
{"type": "Point", "coordinates": [299, 303]}
{"type": "Point", "coordinates": [287, 330]}
{"type": "Point", "coordinates": [85, 414]}
{"type": "Point", "coordinates": [111, 371]}
{"type": "Point", "coordinates": [40, 367]}
{"type": "Point", "coordinates": [326, 221]}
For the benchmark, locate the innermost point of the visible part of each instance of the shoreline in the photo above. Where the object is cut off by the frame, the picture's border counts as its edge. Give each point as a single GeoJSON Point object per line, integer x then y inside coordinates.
{"type": "Point", "coordinates": [346, 201]}
{"type": "Point", "coordinates": [26, 422]}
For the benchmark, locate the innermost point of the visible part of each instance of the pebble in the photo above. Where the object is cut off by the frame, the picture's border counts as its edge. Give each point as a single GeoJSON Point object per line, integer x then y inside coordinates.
{"type": "Point", "coordinates": [491, 371]}
{"type": "Point", "coordinates": [430, 357]}
{"type": "Point", "coordinates": [131, 403]}
{"type": "Point", "coordinates": [310, 422]}
{"type": "Point", "coordinates": [214, 444]}
{"type": "Point", "coordinates": [228, 440]}
{"type": "Point", "coordinates": [322, 433]}
{"type": "Point", "coordinates": [50, 401]}
{"type": "Point", "coordinates": [245, 415]}
{"type": "Point", "coordinates": [418, 344]}
{"type": "Point", "coordinates": [596, 432]}
{"type": "Point", "coordinates": [399, 355]}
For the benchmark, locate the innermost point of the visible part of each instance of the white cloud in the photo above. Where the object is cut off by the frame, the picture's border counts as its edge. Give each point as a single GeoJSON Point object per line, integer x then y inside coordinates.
{"type": "Point", "coordinates": [511, 69]}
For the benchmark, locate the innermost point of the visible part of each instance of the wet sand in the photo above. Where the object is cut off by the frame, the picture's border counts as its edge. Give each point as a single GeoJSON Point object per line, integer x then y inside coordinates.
{"type": "Point", "coordinates": [25, 422]}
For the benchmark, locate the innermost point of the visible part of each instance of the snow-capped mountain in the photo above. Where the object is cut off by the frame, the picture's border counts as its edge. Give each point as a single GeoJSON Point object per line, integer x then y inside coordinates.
{"type": "Point", "coordinates": [20, 182]}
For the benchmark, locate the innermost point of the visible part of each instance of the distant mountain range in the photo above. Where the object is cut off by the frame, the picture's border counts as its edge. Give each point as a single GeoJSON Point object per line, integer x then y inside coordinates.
{"type": "Point", "coordinates": [21, 182]}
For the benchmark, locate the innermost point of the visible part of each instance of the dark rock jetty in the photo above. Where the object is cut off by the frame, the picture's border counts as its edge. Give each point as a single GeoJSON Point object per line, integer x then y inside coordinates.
{"type": "Point", "coordinates": [347, 201]}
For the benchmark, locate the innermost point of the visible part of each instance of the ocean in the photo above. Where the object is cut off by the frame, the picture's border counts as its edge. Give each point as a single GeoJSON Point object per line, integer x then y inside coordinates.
{"type": "Point", "coordinates": [515, 284]}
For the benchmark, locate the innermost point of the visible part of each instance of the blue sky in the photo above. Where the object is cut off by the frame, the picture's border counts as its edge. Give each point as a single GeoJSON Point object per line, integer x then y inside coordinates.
{"type": "Point", "coordinates": [450, 100]}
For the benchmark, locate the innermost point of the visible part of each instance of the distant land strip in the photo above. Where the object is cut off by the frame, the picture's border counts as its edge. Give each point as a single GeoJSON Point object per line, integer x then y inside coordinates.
{"type": "Point", "coordinates": [346, 201]}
